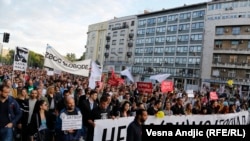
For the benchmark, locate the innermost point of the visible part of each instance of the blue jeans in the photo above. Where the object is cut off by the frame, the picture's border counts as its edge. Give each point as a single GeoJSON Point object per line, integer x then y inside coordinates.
{"type": "Point", "coordinates": [6, 134]}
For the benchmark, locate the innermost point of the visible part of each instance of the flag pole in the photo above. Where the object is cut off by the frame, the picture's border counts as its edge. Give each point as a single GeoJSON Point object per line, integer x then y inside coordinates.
{"type": "Point", "coordinates": [13, 69]}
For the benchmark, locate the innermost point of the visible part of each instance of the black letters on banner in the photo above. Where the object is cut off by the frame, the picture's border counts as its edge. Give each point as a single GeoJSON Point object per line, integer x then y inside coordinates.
{"type": "Point", "coordinates": [59, 60]}
{"type": "Point", "coordinates": [119, 138]}
{"type": "Point", "coordinates": [104, 135]}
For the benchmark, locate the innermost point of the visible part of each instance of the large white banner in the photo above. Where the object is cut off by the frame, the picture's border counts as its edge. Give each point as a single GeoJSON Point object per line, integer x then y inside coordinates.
{"type": "Point", "coordinates": [116, 129]}
{"type": "Point", "coordinates": [56, 61]}
{"type": "Point", "coordinates": [21, 59]}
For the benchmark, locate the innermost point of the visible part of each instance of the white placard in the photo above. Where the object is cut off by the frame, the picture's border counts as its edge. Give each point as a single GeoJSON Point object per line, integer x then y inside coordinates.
{"type": "Point", "coordinates": [190, 93]}
{"type": "Point", "coordinates": [71, 122]}
{"type": "Point", "coordinates": [21, 59]}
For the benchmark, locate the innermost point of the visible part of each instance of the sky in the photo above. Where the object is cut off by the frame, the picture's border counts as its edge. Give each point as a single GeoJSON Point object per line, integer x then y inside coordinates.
{"type": "Point", "coordinates": [63, 24]}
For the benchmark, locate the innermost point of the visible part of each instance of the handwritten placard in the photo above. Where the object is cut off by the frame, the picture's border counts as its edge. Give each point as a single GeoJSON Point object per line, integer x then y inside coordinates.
{"type": "Point", "coordinates": [71, 122]}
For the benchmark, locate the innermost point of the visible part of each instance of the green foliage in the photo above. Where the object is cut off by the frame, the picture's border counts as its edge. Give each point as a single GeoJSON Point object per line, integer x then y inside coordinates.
{"type": "Point", "coordinates": [71, 57]}
{"type": "Point", "coordinates": [35, 59]}
{"type": "Point", "coordinates": [83, 56]}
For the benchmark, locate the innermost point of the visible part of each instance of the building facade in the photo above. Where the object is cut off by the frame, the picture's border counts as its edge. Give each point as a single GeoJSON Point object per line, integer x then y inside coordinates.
{"type": "Point", "coordinates": [171, 41]}
{"type": "Point", "coordinates": [204, 44]}
{"type": "Point", "coordinates": [119, 45]}
{"type": "Point", "coordinates": [227, 44]}
{"type": "Point", "coordinates": [96, 39]}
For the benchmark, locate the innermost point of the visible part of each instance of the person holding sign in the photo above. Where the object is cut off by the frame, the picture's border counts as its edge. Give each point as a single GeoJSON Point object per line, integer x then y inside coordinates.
{"type": "Point", "coordinates": [69, 122]}
{"type": "Point", "coordinates": [99, 112]}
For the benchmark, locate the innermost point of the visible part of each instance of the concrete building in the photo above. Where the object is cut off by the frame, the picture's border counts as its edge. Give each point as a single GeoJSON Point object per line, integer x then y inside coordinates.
{"type": "Point", "coordinates": [171, 41]}
{"type": "Point", "coordinates": [203, 44]}
{"type": "Point", "coordinates": [119, 45]}
{"type": "Point", "coordinates": [226, 54]}
{"type": "Point", "coordinates": [96, 41]}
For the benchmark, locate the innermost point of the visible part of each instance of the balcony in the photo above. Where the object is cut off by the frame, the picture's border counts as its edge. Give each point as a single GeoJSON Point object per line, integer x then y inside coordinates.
{"type": "Point", "coordinates": [106, 55]}
{"type": "Point", "coordinates": [232, 51]}
{"type": "Point", "coordinates": [129, 54]}
{"type": "Point", "coordinates": [232, 65]}
{"type": "Point", "coordinates": [107, 46]}
{"type": "Point", "coordinates": [108, 38]}
{"type": "Point", "coordinates": [130, 44]}
{"type": "Point", "coordinates": [131, 35]}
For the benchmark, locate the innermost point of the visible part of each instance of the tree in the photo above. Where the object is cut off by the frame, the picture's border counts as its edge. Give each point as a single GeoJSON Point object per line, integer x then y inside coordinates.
{"type": "Point", "coordinates": [35, 60]}
{"type": "Point", "coordinates": [83, 56]}
{"type": "Point", "coordinates": [71, 57]}
{"type": "Point", "coordinates": [10, 57]}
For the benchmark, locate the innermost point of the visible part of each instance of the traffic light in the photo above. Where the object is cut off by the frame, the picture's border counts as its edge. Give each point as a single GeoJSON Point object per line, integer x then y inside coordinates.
{"type": "Point", "coordinates": [6, 37]}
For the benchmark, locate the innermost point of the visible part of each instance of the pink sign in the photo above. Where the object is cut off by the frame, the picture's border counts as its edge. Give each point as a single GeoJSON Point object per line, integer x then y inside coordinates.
{"type": "Point", "coordinates": [213, 96]}
{"type": "Point", "coordinates": [145, 87]}
{"type": "Point", "coordinates": [166, 86]}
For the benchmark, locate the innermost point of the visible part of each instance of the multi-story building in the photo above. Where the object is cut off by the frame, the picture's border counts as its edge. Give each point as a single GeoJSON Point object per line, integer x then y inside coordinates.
{"type": "Point", "coordinates": [171, 41]}
{"type": "Point", "coordinates": [119, 43]}
{"type": "Point", "coordinates": [200, 44]}
{"type": "Point", "coordinates": [96, 41]}
{"type": "Point", "coordinates": [226, 54]}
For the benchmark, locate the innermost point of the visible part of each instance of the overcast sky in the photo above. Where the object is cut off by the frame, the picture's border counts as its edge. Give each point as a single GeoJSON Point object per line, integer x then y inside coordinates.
{"type": "Point", "coordinates": [63, 24]}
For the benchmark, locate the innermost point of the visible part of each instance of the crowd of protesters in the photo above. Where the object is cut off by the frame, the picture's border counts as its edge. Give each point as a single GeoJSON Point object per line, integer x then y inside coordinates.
{"type": "Point", "coordinates": [44, 99]}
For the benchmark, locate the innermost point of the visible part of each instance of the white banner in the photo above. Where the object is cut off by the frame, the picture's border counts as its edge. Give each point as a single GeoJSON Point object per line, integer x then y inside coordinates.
{"type": "Point", "coordinates": [21, 59]}
{"type": "Point", "coordinates": [116, 129]}
{"type": "Point", "coordinates": [56, 61]}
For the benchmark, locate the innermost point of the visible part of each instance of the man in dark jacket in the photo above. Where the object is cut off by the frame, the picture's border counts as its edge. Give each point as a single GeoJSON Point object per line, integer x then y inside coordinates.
{"type": "Point", "coordinates": [72, 111]}
{"type": "Point", "coordinates": [10, 113]}
{"type": "Point", "coordinates": [134, 130]}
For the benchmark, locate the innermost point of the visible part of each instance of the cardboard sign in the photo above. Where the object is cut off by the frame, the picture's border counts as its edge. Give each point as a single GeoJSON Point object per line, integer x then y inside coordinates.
{"type": "Point", "coordinates": [166, 86]}
{"type": "Point", "coordinates": [70, 122]}
{"type": "Point", "coordinates": [145, 87]}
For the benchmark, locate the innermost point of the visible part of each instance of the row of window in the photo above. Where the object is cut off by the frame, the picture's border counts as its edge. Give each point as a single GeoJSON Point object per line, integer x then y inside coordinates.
{"type": "Point", "coordinates": [121, 42]}
{"type": "Point", "coordinates": [234, 4]}
{"type": "Point", "coordinates": [216, 73]}
{"type": "Point", "coordinates": [234, 43]}
{"type": "Point", "coordinates": [235, 30]}
{"type": "Point", "coordinates": [193, 37]}
{"type": "Point", "coordinates": [120, 50]}
{"type": "Point", "coordinates": [229, 16]}
{"type": "Point", "coordinates": [122, 33]}
{"type": "Point", "coordinates": [228, 73]}
{"type": "Point", "coordinates": [171, 28]}
{"type": "Point", "coordinates": [172, 71]}
{"type": "Point", "coordinates": [232, 59]}
{"type": "Point", "coordinates": [169, 49]}
{"type": "Point", "coordinates": [132, 23]}
{"type": "Point", "coordinates": [173, 17]}
{"type": "Point", "coordinates": [118, 59]}
{"type": "Point", "coordinates": [169, 60]}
